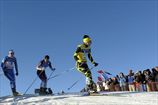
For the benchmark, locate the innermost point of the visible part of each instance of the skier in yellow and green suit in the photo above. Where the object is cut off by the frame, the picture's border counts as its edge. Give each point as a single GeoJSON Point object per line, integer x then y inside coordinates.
{"type": "Point", "coordinates": [83, 51]}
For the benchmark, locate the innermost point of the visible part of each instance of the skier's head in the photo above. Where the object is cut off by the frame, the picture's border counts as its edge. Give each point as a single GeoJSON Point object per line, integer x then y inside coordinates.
{"type": "Point", "coordinates": [87, 40]}
{"type": "Point", "coordinates": [46, 58]}
{"type": "Point", "coordinates": [11, 53]}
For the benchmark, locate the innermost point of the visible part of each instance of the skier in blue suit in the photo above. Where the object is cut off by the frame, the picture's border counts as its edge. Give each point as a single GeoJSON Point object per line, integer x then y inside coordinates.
{"type": "Point", "coordinates": [8, 64]}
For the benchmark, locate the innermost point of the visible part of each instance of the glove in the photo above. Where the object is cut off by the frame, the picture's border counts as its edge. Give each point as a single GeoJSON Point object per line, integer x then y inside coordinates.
{"type": "Point", "coordinates": [53, 69]}
{"type": "Point", "coordinates": [17, 74]}
{"type": "Point", "coordinates": [95, 64]}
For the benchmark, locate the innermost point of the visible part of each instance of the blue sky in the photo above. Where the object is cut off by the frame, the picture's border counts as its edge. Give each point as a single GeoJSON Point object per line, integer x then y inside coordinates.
{"type": "Point", "coordinates": [124, 36]}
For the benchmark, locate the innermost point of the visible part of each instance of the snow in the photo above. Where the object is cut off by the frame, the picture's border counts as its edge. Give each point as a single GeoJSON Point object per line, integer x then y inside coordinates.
{"type": "Point", "coordinates": [112, 98]}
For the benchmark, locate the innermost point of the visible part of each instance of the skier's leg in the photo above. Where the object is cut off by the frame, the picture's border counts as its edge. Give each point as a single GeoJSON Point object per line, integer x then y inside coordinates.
{"type": "Point", "coordinates": [90, 83]}
{"type": "Point", "coordinates": [10, 75]}
{"type": "Point", "coordinates": [12, 81]}
{"type": "Point", "coordinates": [45, 83]}
{"type": "Point", "coordinates": [85, 70]}
{"type": "Point", "coordinates": [43, 78]}
{"type": "Point", "coordinates": [40, 75]}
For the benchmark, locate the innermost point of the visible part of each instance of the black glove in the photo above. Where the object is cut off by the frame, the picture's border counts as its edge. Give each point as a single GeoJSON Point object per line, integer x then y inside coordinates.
{"type": "Point", "coordinates": [53, 69]}
{"type": "Point", "coordinates": [95, 64]}
{"type": "Point", "coordinates": [17, 74]}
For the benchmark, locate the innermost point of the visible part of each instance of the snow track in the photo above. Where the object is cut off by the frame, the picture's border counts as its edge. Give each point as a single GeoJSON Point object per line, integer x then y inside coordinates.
{"type": "Point", "coordinates": [113, 98]}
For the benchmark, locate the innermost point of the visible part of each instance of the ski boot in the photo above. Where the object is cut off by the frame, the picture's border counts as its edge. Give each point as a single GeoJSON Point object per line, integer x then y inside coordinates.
{"type": "Point", "coordinates": [50, 91]}
{"type": "Point", "coordinates": [15, 93]}
{"type": "Point", "coordinates": [43, 91]}
{"type": "Point", "coordinates": [91, 88]}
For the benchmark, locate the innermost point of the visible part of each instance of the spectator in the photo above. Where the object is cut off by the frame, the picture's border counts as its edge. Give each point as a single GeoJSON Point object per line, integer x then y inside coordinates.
{"type": "Point", "coordinates": [142, 81]}
{"type": "Point", "coordinates": [106, 86]}
{"type": "Point", "coordinates": [131, 84]}
{"type": "Point", "coordinates": [100, 84]}
{"type": "Point", "coordinates": [116, 84]}
{"type": "Point", "coordinates": [153, 78]}
{"type": "Point", "coordinates": [156, 78]}
{"type": "Point", "coordinates": [122, 81]}
{"type": "Point", "coordinates": [111, 84]}
{"type": "Point", "coordinates": [148, 79]}
{"type": "Point", "coordinates": [137, 81]}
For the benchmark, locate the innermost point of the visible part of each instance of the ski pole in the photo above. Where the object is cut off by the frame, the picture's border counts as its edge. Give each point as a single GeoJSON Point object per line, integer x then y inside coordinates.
{"type": "Point", "coordinates": [61, 73]}
{"type": "Point", "coordinates": [73, 84]}
{"type": "Point", "coordinates": [50, 75]}
{"type": "Point", "coordinates": [77, 81]}
{"type": "Point", "coordinates": [32, 83]}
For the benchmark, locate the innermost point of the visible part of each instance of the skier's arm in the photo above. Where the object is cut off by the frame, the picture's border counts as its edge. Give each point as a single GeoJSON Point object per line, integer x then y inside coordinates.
{"type": "Point", "coordinates": [3, 63]}
{"type": "Point", "coordinates": [16, 66]}
{"type": "Point", "coordinates": [50, 66]}
{"type": "Point", "coordinates": [77, 51]}
{"type": "Point", "coordinates": [39, 64]}
{"type": "Point", "coordinates": [91, 59]}
{"type": "Point", "coordinates": [39, 67]}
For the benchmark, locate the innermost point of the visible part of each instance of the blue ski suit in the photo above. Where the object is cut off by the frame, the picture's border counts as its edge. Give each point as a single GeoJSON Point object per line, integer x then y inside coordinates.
{"type": "Point", "coordinates": [8, 64]}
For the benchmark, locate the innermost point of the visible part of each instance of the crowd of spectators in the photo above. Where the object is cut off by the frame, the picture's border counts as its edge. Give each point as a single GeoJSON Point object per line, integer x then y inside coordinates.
{"type": "Point", "coordinates": [146, 80]}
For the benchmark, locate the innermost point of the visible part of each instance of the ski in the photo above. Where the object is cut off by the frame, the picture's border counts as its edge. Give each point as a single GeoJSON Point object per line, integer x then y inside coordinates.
{"type": "Point", "coordinates": [47, 92]}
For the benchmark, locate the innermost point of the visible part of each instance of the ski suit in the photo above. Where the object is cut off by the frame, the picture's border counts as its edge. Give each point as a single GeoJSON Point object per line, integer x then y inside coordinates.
{"type": "Point", "coordinates": [80, 55]}
{"type": "Point", "coordinates": [7, 65]}
{"type": "Point", "coordinates": [41, 72]}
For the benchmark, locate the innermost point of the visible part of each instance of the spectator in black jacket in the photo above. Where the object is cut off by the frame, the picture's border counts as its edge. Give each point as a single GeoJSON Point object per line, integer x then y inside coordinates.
{"type": "Point", "coordinates": [148, 79]}
{"type": "Point", "coordinates": [156, 78]}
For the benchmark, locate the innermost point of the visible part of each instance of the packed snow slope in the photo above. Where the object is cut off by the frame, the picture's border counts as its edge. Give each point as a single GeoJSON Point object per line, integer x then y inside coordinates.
{"type": "Point", "coordinates": [111, 98]}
